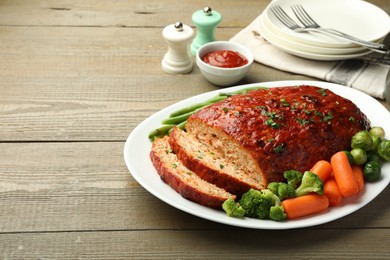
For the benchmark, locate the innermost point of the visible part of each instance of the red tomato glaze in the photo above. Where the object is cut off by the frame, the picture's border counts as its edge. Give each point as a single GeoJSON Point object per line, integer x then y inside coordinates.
{"type": "Point", "coordinates": [225, 59]}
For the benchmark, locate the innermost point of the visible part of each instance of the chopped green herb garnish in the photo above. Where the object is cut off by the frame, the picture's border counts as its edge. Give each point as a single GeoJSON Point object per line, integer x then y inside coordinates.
{"type": "Point", "coordinates": [261, 107]}
{"type": "Point", "coordinates": [328, 117]}
{"type": "Point", "coordinates": [322, 92]}
{"type": "Point", "coordinates": [303, 121]}
{"type": "Point", "coordinates": [201, 154]}
{"type": "Point", "coordinates": [317, 113]}
{"type": "Point", "coordinates": [279, 149]}
{"type": "Point", "coordinates": [271, 115]}
{"type": "Point", "coordinates": [270, 122]}
{"type": "Point", "coordinates": [284, 103]}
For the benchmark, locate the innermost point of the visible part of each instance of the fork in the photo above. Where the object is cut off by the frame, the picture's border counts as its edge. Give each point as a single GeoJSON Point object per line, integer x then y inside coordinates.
{"type": "Point", "coordinates": [311, 25]}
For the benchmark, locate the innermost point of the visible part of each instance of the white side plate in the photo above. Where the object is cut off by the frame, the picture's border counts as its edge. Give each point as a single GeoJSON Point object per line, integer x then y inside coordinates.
{"type": "Point", "coordinates": [309, 51]}
{"type": "Point", "coordinates": [355, 17]}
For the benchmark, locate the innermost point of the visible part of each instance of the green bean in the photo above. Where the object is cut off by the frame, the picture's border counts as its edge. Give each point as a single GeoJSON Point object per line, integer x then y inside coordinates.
{"type": "Point", "coordinates": [160, 132]}
{"type": "Point", "coordinates": [241, 91]}
{"type": "Point", "coordinates": [219, 97]}
{"type": "Point", "coordinates": [178, 119]}
{"type": "Point", "coordinates": [181, 126]}
{"type": "Point", "coordinates": [165, 130]}
{"type": "Point", "coordinates": [188, 109]}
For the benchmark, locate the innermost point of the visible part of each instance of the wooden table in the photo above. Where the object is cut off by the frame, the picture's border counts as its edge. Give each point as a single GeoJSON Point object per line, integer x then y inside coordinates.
{"type": "Point", "coordinates": [76, 77]}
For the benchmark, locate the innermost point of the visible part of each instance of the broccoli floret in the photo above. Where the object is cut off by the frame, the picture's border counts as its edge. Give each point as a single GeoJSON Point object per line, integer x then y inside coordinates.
{"type": "Point", "coordinates": [310, 183]}
{"type": "Point", "coordinates": [256, 204]}
{"type": "Point", "coordinates": [273, 187]}
{"type": "Point", "coordinates": [285, 191]}
{"type": "Point", "coordinates": [277, 213]}
{"type": "Point", "coordinates": [293, 178]}
{"type": "Point", "coordinates": [275, 199]}
{"type": "Point", "coordinates": [233, 209]}
{"type": "Point", "coordinates": [249, 201]}
{"type": "Point", "coordinates": [282, 190]}
{"type": "Point", "coordinates": [262, 204]}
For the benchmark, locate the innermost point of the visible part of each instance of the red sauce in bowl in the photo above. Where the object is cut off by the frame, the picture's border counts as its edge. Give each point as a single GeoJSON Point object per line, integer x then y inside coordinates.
{"type": "Point", "coordinates": [225, 59]}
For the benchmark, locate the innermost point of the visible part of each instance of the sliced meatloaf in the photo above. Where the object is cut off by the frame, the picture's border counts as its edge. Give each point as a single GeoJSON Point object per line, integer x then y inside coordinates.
{"type": "Point", "coordinates": [211, 166]}
{"type": "Point", "coordinates": [182, 180]}
{"type": "Point", "coordinates": [268, 131]}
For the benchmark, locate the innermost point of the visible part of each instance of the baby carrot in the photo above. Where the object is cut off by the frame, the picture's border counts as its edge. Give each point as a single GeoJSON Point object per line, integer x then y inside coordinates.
{"type": "Point", "coordinates": [358, 171]}
{"type": "Point", "coordinates": [323, 169]}
{"type": "Point", "coordinates": [331, 190]}
{"type": "Point", "coordinates": [344, 175]}
{"type": "Point", "coordinates": [305, 205]}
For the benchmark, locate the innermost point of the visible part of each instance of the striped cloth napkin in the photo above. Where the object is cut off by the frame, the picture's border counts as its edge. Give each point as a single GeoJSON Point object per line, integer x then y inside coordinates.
{"type": "Point", "coordinates": [367, 74]}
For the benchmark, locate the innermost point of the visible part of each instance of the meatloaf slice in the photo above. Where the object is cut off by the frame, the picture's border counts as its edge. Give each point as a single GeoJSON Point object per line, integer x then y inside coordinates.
{"type": "Point", "coordinates": [185, 182]}
{"type": "Point", "coordinates": [268, 131]}
{"type": "Point", "coordinates": [210, 165]}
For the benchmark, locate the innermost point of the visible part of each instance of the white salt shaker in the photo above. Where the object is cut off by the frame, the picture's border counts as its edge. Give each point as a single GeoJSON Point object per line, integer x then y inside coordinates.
{"type": "Point", "coordinates": [178, 59]}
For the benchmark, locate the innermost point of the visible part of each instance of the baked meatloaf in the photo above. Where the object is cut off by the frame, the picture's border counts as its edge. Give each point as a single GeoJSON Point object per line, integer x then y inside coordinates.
{"type": "Point", "coordinates": [209, 165]}
{"type": "Point", "coordinates": [182, 180]}
{"type": "Point", "coordinates": [268, 131]}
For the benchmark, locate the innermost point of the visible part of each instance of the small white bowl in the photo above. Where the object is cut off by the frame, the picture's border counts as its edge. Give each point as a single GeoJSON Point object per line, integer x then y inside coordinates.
{"type": "Point", "coordinates": [223, 76]}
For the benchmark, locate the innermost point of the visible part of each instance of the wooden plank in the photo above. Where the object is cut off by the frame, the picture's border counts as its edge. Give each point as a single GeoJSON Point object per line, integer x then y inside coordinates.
{"type": "Point", "coordinates": [71, 88]}
{"type": "Point", "coordinates": [119, 13]}
{"type": "Point", "coordinates": [57, 187]}
{"type": "Point", "coordinates": [200, 244]}
{"type": "Point", "coordinates": [131, 13]}
{"type": "Point", "coordinates": [63, 88]}
{"type": "Point", "coordinates": [75, 186]}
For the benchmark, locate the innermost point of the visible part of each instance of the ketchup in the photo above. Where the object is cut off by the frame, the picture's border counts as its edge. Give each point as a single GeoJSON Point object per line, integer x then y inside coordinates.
{"type": "Point", "coordinates": [225, 59]}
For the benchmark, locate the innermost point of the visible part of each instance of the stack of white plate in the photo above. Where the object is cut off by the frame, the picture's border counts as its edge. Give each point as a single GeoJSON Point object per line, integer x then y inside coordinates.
{"type": "Point", "coordinates": [355, 17]}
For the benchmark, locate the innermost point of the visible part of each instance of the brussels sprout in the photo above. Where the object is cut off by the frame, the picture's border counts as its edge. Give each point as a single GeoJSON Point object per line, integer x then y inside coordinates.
{"type": "Point", "coordinates": [362, 140]}
{"type": "Point", "coordinates": [384, 150]}
{"type": "Point", "coordinates": [377, 131]}
{"type": "Point", "coordinates": [359, 156]}
{"type": "Point", "coordinates": [375, 142]}
{"type": "Point", "coordinates": [372, 171]}
{"type": "Point", "coordinates": [373, 156]}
